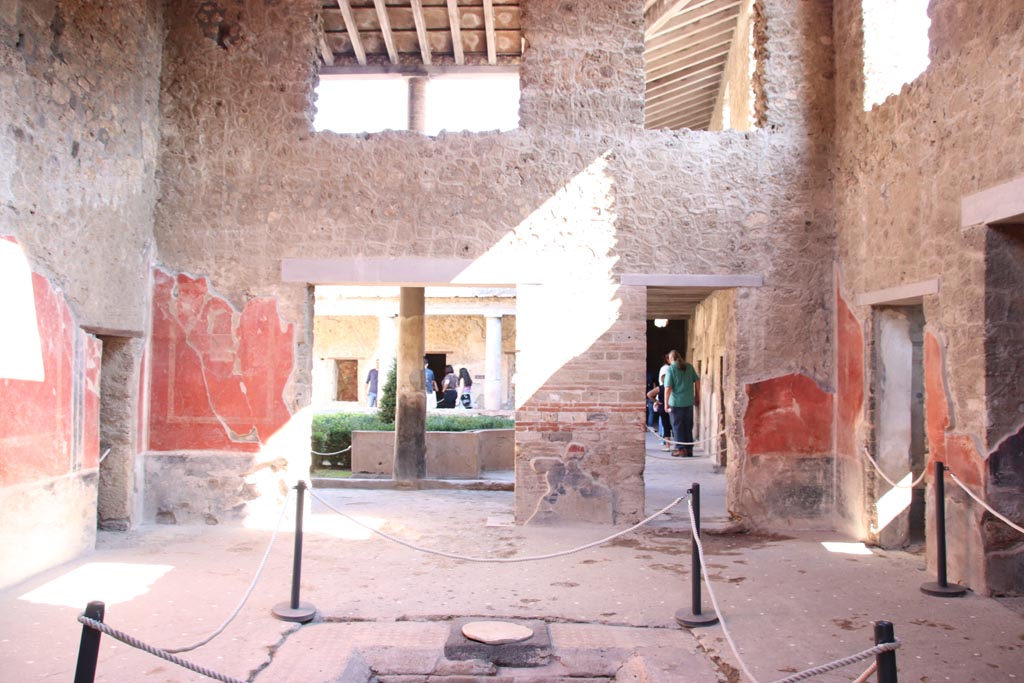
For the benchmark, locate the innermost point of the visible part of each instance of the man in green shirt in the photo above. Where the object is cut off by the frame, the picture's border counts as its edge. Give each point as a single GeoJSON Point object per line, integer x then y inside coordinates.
{"type": "Point", "coordinates": [682, 389]}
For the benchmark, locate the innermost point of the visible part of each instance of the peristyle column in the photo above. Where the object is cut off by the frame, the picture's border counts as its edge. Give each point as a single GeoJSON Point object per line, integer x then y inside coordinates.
{"type": "Point", "coordinates": [492, 363]}
{"type": "Point", "coordinates": [410, 395]}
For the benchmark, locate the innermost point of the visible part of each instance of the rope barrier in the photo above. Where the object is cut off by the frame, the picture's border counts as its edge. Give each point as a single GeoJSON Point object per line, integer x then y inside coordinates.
{"type": "Point", "coordinates": [799, 676]}
{"type": "Point", "coordinates": [984, 504]}
{"type": "Point", "coordinates": [343, 450]}
{"type": "Point", "coordinates": [911, 485]}
{"type": "Point", "coordinates": [104, 456]}
{"type": "Point", "coordinates": [686, 443]}
{"type": "Point", "coordinates": [867, 673]}
{"type": "Point", "coordinates": [248, 592]}
{"type": "Point", "coordinates": [155, 651]}
{"type": "Point", "coordinates": [494, 560]}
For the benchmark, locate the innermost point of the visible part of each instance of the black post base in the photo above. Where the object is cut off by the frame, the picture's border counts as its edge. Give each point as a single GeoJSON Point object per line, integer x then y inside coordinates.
{"type": "Point", "coordinates": [301, 614]}
{"type": "Point", "coordinates": [950, 590]}
{"type": "Point", "coordinates": [687, 618]}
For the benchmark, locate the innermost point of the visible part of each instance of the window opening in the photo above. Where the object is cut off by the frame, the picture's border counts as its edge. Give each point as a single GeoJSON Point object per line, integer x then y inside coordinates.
{"type": "Point", "coordinates": [895, 46]}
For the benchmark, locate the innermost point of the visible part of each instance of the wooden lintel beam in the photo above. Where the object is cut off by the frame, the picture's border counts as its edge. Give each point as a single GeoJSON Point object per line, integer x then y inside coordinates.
{"type": "Point", "coordinates": [455, 20]}
{"type": "Point", "coordinates": [492, 56]}
{"type": "Point", "coordinates": [421, 30]}
{"type": "Point", "coordinates": [385, 30]}
{"type": "Point", "coordinates": [352, 30]}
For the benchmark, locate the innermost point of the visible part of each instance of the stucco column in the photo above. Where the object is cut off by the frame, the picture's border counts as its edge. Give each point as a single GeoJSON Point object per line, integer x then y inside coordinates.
{"type": "Point", "coordinates": [492, 363]}
{"type": "Point", "coordinates": [410, 395]}
{"type": "Point", "coordinates": [417, 104]}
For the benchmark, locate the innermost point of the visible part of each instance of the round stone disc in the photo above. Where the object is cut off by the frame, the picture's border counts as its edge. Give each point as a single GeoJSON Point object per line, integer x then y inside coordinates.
{"type": "Point", "coordinates": [496, 632]}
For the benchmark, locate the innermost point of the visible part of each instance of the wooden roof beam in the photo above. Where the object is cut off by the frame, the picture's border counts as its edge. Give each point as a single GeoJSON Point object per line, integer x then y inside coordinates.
{"type": "Point", "coordinates": [421, 30]}
{"type": "Point", "coordinates": [352, 30]}
{"type": "Point", "coordinates": [709, 53]}
{"type": "Point", "coordinates": [670, 84]}
{"type": "Point", "coordinates": [492, 56]}
{"type": "Point", "coordinates": [658, 14]}
{"type": "Point", "coordinates": [671, 42]}
{"type": "Point", "coordinates": [385, 29]}
{"type": "Point", "coordinates": [455, 20]}
{"type": "Point", "coordinates": [699, 12]}
{"type": "Point", "coordinates": [689, 109]}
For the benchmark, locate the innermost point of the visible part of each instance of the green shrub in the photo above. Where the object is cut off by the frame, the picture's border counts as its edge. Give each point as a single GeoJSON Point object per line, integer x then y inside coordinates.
{"type": "Point", "coordinates": [386, 400]}
{"type": "Point", "coordinates": [332, 432]}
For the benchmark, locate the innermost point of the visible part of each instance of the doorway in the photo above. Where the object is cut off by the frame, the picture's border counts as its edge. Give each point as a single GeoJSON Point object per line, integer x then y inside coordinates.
{"type": "Point", "coordinates": [116, 498]}
{"type": "Point", "coordinates": [901, 446]}
{"type": "Point", "coordinates": [348, 379]}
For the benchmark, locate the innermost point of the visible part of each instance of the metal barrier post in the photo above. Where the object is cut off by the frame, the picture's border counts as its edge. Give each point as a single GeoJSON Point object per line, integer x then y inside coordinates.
{"type": "Point", "coordinates": [694, 617]}
{"type": "Point", "coordinates": [941, 587]}
{"type": "Point", "coordinates": [89, 646]}
{"type": "Point", "coordinates": [885, 661]}
{"type": "Point", "coordinates": [300, 612]}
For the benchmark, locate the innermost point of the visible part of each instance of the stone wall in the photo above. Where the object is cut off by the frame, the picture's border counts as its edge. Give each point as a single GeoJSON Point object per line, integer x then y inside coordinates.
{"type": "Point", "coordinates": [576, 196]}
{"type": "Point", "coordinates": [79, 84]}
{"type": "Point", "coordinates": [901, 170]}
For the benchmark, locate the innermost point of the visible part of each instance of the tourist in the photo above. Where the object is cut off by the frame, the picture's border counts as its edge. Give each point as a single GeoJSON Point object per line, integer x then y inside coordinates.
{"type": "Point", "coordinates": [371, 384]}
{"type": "Point", "coordinates": [682, 385]}
{"type": "Point", "coordinates": [465, 388]}
{"type": "Point", "coordinates": [430, 384]}
{"type": "Point", "coordinates": [449, 388]}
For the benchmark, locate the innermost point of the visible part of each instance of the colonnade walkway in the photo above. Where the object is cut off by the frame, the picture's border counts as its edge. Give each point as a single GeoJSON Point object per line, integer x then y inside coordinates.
{"type": "Point", "coordinates": [386, 610]}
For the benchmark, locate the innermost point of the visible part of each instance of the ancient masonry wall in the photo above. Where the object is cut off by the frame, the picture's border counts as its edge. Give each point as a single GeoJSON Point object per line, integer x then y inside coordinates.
{"type": "Point", "coordinates": [901, 170]}
{"type": "Point", "coordinates": [576, 196]}
{"type": "Point", "coordinates": [79, 84]}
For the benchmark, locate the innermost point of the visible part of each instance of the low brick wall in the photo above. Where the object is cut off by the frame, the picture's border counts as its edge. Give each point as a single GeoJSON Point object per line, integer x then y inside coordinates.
{"type": "Point", "coordinates": [450, 455]}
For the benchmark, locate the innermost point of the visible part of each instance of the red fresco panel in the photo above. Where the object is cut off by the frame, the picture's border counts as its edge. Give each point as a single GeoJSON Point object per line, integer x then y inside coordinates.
{"type": "Point", "coordinates": [958, 451]}
{"type": "Point", "coordinates": [789, 415]}
{"type": "Point", "coordinates": [217, 375]}
{"type": "Point", "coordinates": [91, 416]}
{"type": "Point", "coordinates": [35, 434]}
{"type": "Point", "coordinates": [850, 380]}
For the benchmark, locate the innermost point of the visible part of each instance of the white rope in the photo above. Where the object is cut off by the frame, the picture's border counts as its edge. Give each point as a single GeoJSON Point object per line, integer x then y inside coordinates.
{"type": "Point", "coordinates": [162, 654]}
{"type": "Point", "coordinates": [104, 456]}
{"type": "Point", "coordinates": [807, 673]}
{"type": "Point", "coordinates": [983, 503]}
{"type": "Point", "coordinates": [701, 440]}
{"type": "Point", "coordinates": [343, 450]}
{"type": "Point", "coordinates": [711, 592]}
{"type": "Point", "coordinates": [911, 485]}
{"type": "Point", "coordinates": [867, 673]}
{"type": "Point", "coordinates": [531, 558]}
{"type": "Point", "coordinates": [248, 593]}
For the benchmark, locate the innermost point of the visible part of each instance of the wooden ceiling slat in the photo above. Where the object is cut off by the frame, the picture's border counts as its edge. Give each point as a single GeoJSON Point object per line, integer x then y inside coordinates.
{"type": "Point", "coordinates": [489, 29]}
{"type": "Point", "coordinates": [659, 13]}
{"type": "Point", "coordinates": [421, 30]}
{"type": "Point", "coordinates": [696, 101]}
{"type": "Point", "coordinates": [455, 22]}
{"type": "Point", "coordinates": [385, 29]}
{"type": "Point", "coordinates": [667, 85]}
{"type": "Point", "coordinates": [353, 32]}
{"type": "Point", "coordinates": [407, 43]}
{"type": "Point", "coordinates": [726, 31]}
{"type": "Point", "coordinates": [671, 42]}
{"type": "Point", "coordinates": [697, 121]}
{"type": "Point", "coordinates": [435, 18]}
{"type": "Point", "coordinates": [672, 97]}
{"type": "Point", "coordinates": [695, 14]}
{"type": "Point", "coordinates": [696, 107]}
{"type": "Point", "coordinates": [688, 59]}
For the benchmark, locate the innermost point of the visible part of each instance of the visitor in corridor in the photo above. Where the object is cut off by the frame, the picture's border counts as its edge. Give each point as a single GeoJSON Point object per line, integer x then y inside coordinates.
{"type": "Point", "coordinates": [681, 390]}
{"type": "Point", "coordinates": [371, 384]}
{"type": "Point", "coordinates": [465, 388]}
{"type": "Point", "coordinates": [449, 388]}
{"type": "Point", "coordinates": [431, 384]}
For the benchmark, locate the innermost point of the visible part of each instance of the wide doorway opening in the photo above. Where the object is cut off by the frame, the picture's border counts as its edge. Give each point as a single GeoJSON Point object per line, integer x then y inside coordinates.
{"type": "Point", "coordinates": [899, 425]}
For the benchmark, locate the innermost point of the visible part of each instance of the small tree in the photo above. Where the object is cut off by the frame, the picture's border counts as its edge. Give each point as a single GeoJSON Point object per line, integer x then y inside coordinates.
{"type": "Point", "coordinates": [386, 400]}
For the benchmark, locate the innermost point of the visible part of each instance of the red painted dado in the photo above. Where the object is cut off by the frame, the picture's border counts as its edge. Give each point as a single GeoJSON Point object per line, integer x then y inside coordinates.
{"type": "Point", "coordinates": [936, 404]}
{"type": "Point", "coordinates": [36, 433]}
{"type": "Point", "coordinates": [850, 380]}
{"type": "Point", "coordinates": [91, 413]}
{"type": "Point", "coordinates": [958, 451]}
{"type": "Point", "coordinates": [217, 375]}
{"type": "Point", "coordinates": [789, 415]}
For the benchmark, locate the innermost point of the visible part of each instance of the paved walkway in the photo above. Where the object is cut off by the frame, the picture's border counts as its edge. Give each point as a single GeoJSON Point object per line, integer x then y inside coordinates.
{"type": "Point", "coordinates": [790, 602]}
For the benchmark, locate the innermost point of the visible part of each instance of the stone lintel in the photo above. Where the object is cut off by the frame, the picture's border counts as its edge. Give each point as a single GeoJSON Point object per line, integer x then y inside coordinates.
{"type": "Point", "coordinates": [402, 272]}
{"type": "Point", "coordinates": [1002, 204]}
{"type": "Point", "coordinates": [692, 280]}
{"type": "Point", "coordinates": [901, 295]}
